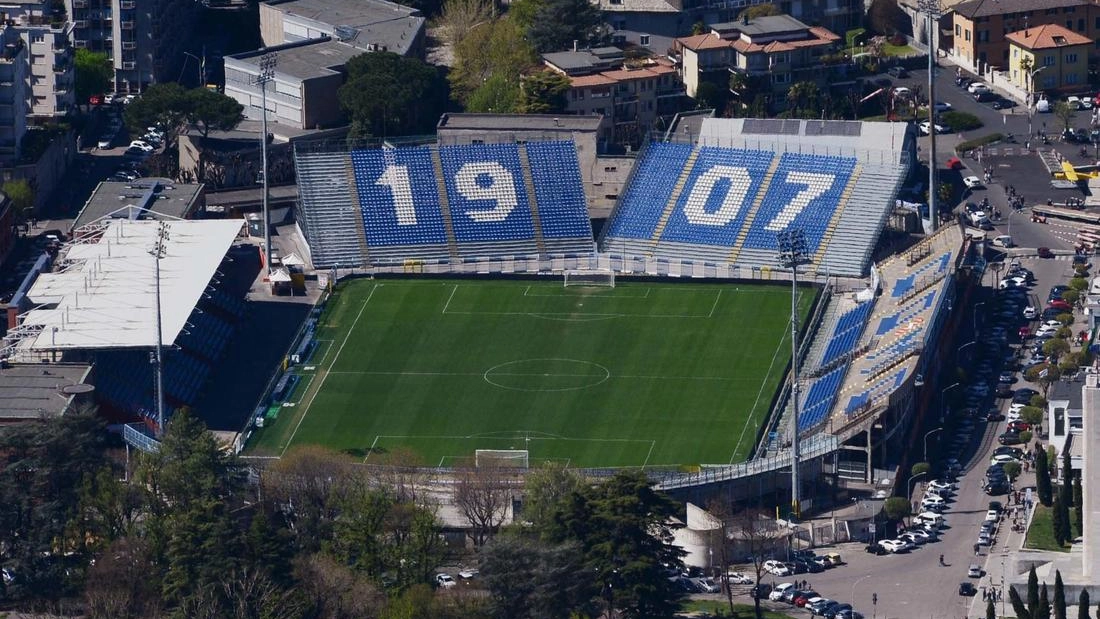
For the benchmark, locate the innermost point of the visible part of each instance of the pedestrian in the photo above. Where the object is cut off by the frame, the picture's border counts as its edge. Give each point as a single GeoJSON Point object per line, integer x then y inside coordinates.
{"type": "Point", "coordinates": [977, 547]}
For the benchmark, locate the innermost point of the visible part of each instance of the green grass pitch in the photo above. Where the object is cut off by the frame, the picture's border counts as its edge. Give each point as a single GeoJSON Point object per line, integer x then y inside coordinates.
{"type": "Point", "coordinates": [643, 374]}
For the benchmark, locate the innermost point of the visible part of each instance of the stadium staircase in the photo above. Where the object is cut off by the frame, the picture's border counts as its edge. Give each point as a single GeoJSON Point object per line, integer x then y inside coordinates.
{"type": "Point", "coordinates": [821, 342]}
{"type": "Point", "coordinates": [350, 171]}
{"type": "Point", "coordinates": [445, 207]}
{"type": "Point", "coordinates": [529, 184]}
{"type": "Point", "coordinates": [677, 189]}
{"type": "Point", "coordinates": [863, 214]}
{"type": "Point", "coordinates": [835, 220]}
{"type": "Point", "coordinates": [750, 217]}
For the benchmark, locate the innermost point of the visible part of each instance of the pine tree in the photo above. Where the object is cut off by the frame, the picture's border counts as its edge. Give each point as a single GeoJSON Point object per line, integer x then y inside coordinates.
{"type": "Point", "coordinates": [1058, 523]}
{"type": "Point", "coordinates": [1083, 605]}
{"type": "Point", "coordinates": [1018, 604]}
{"type": "Point", "coordinates": [1067, 479]}
{"type": "Point", "coordinates": [1033, 592]}
{"type": "Point", "coordinates": [1042, 478]}
{"type": "Point", "coordinates": [1059, 596]}
{"type": "Point", "coordinates": [1078, 505]}
{"type": "Point", "coordinates": [1043, 611]}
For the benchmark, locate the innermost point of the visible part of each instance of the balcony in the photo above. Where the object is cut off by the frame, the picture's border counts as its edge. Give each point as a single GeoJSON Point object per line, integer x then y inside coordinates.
{"type": "Point", "coordinates": [80, 4]}
{"type": "Point", "coordinates": [80, 23]}
{"type": "Point", "coordinates": [129, 45]}
{"type": "Point", "coordinates": [129, 66]}
{"type": "Point", "coordinates": [127, 25]}
{"type": "Point", "coordinates": [127, 5]}
{"type": "Point", "coordinates": [80, 43]}
{"type": "Point", "coordinates": [670, 92]}
{"type": "Point", "coordinates": [60, 68]}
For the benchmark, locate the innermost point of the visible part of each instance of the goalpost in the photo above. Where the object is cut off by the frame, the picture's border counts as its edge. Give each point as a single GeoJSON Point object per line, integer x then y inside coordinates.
{"type": "Point", "coordinates": [503, 458]}
{"type": "Point", "coordinates": [589, 277]}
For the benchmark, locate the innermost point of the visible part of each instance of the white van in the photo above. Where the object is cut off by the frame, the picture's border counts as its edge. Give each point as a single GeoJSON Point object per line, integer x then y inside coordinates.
{"type": "Point", "coordinates": [1094, 288]}
{"type": "Point", "coordinates": [1042, 106]}
{"type": "Point", "coordinates": [929, 518]}
{"type": "Point", "coordinates": [1003, 241]}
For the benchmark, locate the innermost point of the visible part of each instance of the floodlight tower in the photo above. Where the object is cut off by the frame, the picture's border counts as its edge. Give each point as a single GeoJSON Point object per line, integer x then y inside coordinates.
{"type": "Point", "coordinates": [267, 74]}
{"type": "Point", "coordinates": [932, 10]}
{"type": "Point", "coordinates": [158, 252]}
{"type": "Point", "coordinates": [792, 253]}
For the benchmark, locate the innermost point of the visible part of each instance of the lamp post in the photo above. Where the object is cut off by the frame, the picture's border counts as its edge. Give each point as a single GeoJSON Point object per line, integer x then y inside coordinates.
{"type": "Point", "coordinates": [926, 435]}
{"type": "Point", "coordinates": [158, 252]}
{"type": "Point", "coordinates": [1031, 104]}
{"type": "Point", "coordinates": [792, 253]}
{"type": "Point", "coordinates": [975, 316]}
{"type": "Point", "coordinates": [931, 9]}
{"type": "Point", "coordinates": [910, 484]}
{"type": "Point", "coordinates": [202, 66]}
{"type": "Point", "coordinates": [943, 393]}
{"type": "Point", "coordinates": [267, 74]}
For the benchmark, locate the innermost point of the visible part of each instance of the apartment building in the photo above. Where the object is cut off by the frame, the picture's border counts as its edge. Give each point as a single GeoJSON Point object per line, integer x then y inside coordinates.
{"type": "Point", "coordinates": [1048, 57]}
{"type": "Point", "coordinates": [630, 93]}
{"type": "Point", "coordinates": [369, 25]}
{"type": "Point", "coordinates": [780, 47]}
{"type": "Point", "coordinates": [14, 94]}
{"type": "Point", "coordinates": [145, 40]}
{"type": "Point", "coordinates": [51, 94]}
{"type": "Point", "coordinates": [981, 26]}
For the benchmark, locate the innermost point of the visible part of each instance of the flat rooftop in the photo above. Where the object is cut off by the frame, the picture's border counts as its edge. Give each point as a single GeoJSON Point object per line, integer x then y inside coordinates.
{"type": "Point", "coordinates": [145, 198]}
{"type": "Point", "coordinates": [104, 295]}
{"type": "Point", "coordinates": [32, 391]}
{"type": "Point", "coordinates": [361, 23]}
{"type": "Point", "coordinates": [305, 59]}
{"type": "Point", "coordinates": [512, 122]}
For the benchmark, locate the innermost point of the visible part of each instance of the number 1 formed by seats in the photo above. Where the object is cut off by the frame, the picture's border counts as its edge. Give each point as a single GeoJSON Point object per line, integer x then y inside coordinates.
{"type": "Point", "coordinates": [480, 181]}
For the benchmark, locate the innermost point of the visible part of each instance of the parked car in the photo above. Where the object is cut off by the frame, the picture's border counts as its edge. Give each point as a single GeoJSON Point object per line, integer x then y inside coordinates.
{"type": "Point", "coordinates": [974, 571]}
{"type": "Point", "coordinates": [705, 585]}
{"type": "Point", "coordinates": [972, 182]}
{"type": "Point", "coordinates": [776, 594]}
{"type": "Point", "coordinates": [976, 87]}
{"type": "Point", "coordinates": [1044, 252]}
{"type": "Point", "coordinates": [737, 578]}
{"type": "Point", "coordinates": [898, 72]}
{"type": "Point", "coordinates": [967, 589]}
{"type": "Point", "coordinates": [445, 581]}
{"type": "Point", "coordinates": [1009, 438]}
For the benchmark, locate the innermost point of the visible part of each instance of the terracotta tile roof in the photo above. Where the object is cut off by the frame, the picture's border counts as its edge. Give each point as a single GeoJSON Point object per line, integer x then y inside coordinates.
{"type": "Point", "coordinates": [1047, 37]}
{"type": "Point", "coordinates": [824, 33]}
{"type": "Point", "coordinates": [703, 41]}
{"type": "Point", "coordinates": [982, 8]}
{"type": "Point", "coordinates": [598, 79]}
{"type": "Point", "coordinates": [778, 46]}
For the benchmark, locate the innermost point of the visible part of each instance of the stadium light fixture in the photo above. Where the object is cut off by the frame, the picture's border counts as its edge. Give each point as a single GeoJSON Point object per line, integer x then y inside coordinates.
{"type": "Point", "coordinates": [792, 253]}
{"type": "Point", "coordinates": [158, 252]}
{"type": "Point", "coordinates": [267, 74]}
{"type": "Point", "coordinates": [933, 11]}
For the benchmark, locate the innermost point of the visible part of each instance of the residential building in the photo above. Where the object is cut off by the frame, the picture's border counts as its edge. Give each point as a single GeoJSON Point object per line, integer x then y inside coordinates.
{"type": "Point", "coordinates": [52, 94]}
{"type": "Point", "coordinates": [632, 19]}
{"type": "Point", "coordinates": [1064, 412]}
{"type": "Point", "coordinates": [7, 229]}
{"type": "Point", "coordinates": [1048, 57]}
{"type": "Point", "coordinates": [369, 25]}
{"type": "Point", "coordinates": [780, 49]}
{"type": "Point", "coordinates": [980, 27]}
{"type": "Point", "coordinates": [631, 93]}
{"type": "Point", "coordinates": [303, 93]}
{"type": "Point", "coordinates": [145, 40]}
{"type": "Point", "coordinates": [14, 94]}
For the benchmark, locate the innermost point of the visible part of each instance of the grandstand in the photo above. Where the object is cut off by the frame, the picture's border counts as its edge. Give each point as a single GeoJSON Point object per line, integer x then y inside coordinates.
{"type": "Point", "coordinates": [442, 204]}
{"type": "Point", "coordinates": [96, 303]}
{"type": "Point", "coordinates": [721, 198]}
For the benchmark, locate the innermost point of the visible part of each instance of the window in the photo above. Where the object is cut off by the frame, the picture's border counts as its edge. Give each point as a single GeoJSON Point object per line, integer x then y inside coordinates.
{"type": "Point", "coordinates": [1049, 81]}
{"type": "Point", "coordinates": [1070, 58]}
{"type": "Point", "coordinates": [1052, 11]}
{"type": "Point", "coordinates": [37, 38]}
{"type": "Point", "coordinates": [1069, 24]}
{"type": "Point", "coordinates": [967, 36]}
{"type": "Point", "coordinates": [644, 39]}
{"type": "Point", "coordinates": [1071, 78]}
{"type": "Point", "coordinates": [781, 78]}
{"type": "Point", "coordinates": [1048, 61]}
{"type": "Point", "coordinates": [958, 29]}
{"type": "Point", "coordinates": [1015, 52]}
{"type": "Point", "coordinates": [983, 36]}
{"type": "Point", "coordinates": [1069, 9]}
{"type": "Point", "coordinates": [1081, 24]}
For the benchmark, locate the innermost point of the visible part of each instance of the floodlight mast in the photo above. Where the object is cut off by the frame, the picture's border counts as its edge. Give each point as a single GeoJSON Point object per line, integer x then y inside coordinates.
{"type": "Point", "coordinates": [932, 10]}
{"type": "Point", "coordinates": [267, 74]}
{"type": "Point", "coordinates": [158, 252]}
{"type": "Point", "coordinates": [792, 253]}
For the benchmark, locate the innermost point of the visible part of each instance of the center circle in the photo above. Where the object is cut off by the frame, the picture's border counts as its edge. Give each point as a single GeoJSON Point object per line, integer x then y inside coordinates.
{"type": "Point", "coordinates": [546, 375]}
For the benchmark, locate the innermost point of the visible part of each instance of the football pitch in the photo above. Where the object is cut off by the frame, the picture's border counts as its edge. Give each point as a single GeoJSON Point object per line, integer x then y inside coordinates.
{"type": "Point", "coordinates": [642, 374]}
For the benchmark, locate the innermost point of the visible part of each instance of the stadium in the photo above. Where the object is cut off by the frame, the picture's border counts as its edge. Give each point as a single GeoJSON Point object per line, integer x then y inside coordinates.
{"type": "Point", "coordinates": [470, 310]}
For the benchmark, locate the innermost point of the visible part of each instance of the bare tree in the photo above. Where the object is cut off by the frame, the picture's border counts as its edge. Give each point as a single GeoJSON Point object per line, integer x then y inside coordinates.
{"type": "Point", "coordinates": [335, 591]}
{"type": "Point", "coordinates": [118, 584]}
{"type": "Point", "coordinates": [483, 495]}
{"type": "Point", "coordinates": [757, 534]}
{"type": "Point", "coordinates": [459, 17]}
{"type": "Point", "coordinates": [250, 593]}
{"type": "Point", "coordinates": [306, 485]}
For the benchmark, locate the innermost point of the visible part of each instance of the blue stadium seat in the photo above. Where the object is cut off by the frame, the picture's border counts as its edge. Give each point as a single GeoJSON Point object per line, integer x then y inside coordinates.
{"type": "Point", "coordinates": [847, 332]}
{"type": "Point", "coordinates": [819, 399]}
{"type": "Point", "coordinates": [559, 190]}
{"type": "Point", "coordinates": [822, 177]}
{"type": "Point", "coordinates": [486, 193]}
{"type": "Point", "coordinates": [701, 214]}
{"type": "Point", "coordinates": [652, 182]}
{"type": "Point", "coordinates": [403, 206]}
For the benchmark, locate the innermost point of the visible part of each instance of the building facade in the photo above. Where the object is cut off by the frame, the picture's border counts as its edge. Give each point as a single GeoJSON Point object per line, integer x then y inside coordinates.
{"type": "Point", "coordinates": [779, 49]}
{"type": "Point", "coordinates": [144, 40]}
{"type": "Point", "coordinates": [369, 25]}
{"type": "Point", "coordinates": [980, 27]}
{"type": "Point", "coordinates": [47, 38]}
{"type": "Point", "coordinates": [14, 94]}
{"type": "Point", "coordinates": [1048, 58]}
{"type": "Point", "coordinates": [631, 93]}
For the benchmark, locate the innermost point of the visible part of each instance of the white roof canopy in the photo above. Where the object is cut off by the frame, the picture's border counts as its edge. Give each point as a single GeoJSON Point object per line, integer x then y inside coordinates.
{"type": "Point", "coordinates": [105, 294]}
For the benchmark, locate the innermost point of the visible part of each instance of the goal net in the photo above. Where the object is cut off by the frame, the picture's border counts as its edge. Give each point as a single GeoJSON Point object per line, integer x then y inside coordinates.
{"type": "Point", "coordinates": [586, 277]}
{"type": "Point", "coordinates": [505, 458]}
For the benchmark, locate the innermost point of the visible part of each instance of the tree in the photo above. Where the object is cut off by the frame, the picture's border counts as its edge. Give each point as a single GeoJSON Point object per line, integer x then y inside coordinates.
{"type": "Point", "coordinates": [1071, 296]}
{"type": "Point", "coordinates": [1018, 604]}
{"type": "Point", "coordinates": [1078, 284]}
{"type": "Point", "coordinates": [1078, 508]}
{"type": "Point", "coordinates": [756, 533]}
{"type": "Point", "coordinates": [1026, 436]}
{"type": "Point", "coordinates": [1042, 478]}
{"type": "Point", "coordinates": [804, 99]}
{"type": "Point", "coordinates": [885, 17]}
{"type": "Point", "coordinates": [1066, 487]}
{"type": "Point", "coordinates": [920, 468]}
{"type": "Point", "coordinates": [1060, 521]}
{"type": "Point", "coordinates": [1064, 112]}
{"type": "Point", "coordinates": [1059, 596]}
{"type": "Point", "coordinates": [1032, 415]}
{"type": "Point", "coordinates": [1011, 469]}
{"type": "Point", "coordinates": [709, 95]}
{"type": "Point", "coordinates": [22, 198]}
{"type": "Point", "coordinates": [543, 92]}
{"type": "Point", "coordinates": [760, 10]}
{"type": "Point", "coordinates": [92, 73]}
{"type": "Point", "coordinates": [544, 488]}
{"type": "Point", "coordinates": [1032, 592]}
{"type": "Point", "coordinates": [306, 485]}
{"type": "Point", "coordinates": [558, 23]}
{"type": "Point", "coordinates": [495, 50]}
{"type": "Point", "coordinates": [483, 496]}
{"type": "Point", "coordinates": [1043, 610]}
{"type": "Point", "coordinates": [1055, 348]}
{"type": "Point", "coordinates": [896, 508]}
{"type": "Point", "coordinates": [1083, 604]}
{"type": "Point", "coordinates": [387, 94]}
{"type": "Point", "coordinates": [529, 578]}
{"type": "Point", "coordinates": [209, 110]}
{"type": "Point", "coordinates": [624, 527]}
{"type": "Point", "coordinates": [118, 584]}
{"type": "Point", "coordinates": [459, 17]}
{"type": "Point", "coordinates": [334, 591]}
{"type": "Point", "coordinates": [496, 95]}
